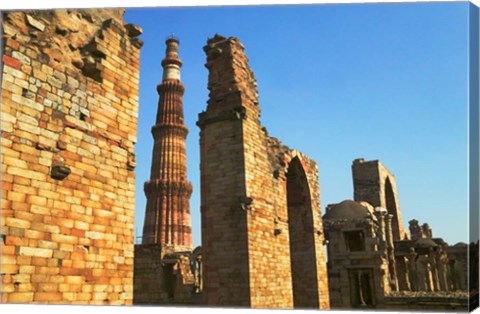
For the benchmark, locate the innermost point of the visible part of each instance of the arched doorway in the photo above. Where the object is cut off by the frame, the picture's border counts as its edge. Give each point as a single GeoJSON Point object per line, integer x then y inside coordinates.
{"type": "Point", "coordinates": [302, 241]}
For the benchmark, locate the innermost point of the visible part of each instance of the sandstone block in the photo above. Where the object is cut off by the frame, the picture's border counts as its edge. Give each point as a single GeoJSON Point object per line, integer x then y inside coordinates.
{"type": "Point", "coordinates": [47, 296]}
{"type": "Point", "coordinates": [30, 251]}
{"type": "Point", "coordinates": [35, 23]}
{"type": "Point", "coordinates": [20, 297]}
{"type": "Point", "coordinates": [17, 223]}
{"type": "Point", "coordinates": [9, 269]}
{"type": "Point", "coordinates": [74, 280]}
{"type": "Point", "coordinates": [27, 269]}
{"type": "Point", "coordinates": [64, 239]}
{"type": "Point", "coordinates": [29, 174]}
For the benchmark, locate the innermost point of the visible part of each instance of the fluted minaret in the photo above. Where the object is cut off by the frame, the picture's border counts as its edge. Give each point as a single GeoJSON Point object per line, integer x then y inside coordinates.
{"type": "Point", "coordinates": [167, 218]}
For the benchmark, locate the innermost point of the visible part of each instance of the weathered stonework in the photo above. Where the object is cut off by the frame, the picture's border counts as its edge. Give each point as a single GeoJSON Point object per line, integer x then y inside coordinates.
{"type": "Point", "coordinates": [69, 123]}
{"type": "Point", "coordinates": [262, 236]}
{"type": "Point", "coordinates": [358, 255]}
{"type": "Point", "coordinates": [164, 275]}
{"type": "Point", "coordinates": [428, 302]}
{"type": "Point", "coordinates": [373, 183]}
{"type": "Point", "coordinates": [367, 267]}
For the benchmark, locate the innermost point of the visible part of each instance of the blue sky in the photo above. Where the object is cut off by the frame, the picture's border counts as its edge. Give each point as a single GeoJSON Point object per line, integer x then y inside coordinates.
{"type": "Point", "coordinates": [337, 82]}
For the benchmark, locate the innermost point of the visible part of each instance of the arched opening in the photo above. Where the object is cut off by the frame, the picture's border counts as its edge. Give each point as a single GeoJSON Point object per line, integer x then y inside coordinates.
{"type": "Point", "coordinates": [392, 209]}
{"type": "Point", "coordinates": [302, 241]}
{"type": "Point", "coordinates": [169, 279]}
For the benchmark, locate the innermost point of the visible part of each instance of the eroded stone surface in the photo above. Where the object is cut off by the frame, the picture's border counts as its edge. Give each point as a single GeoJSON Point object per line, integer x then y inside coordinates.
{"type": "Point", "coordinates": [261, 229]}
{"type": "Point", "coordinates": [68, 188]}
{"type": "Point", "coordinates": [375, 263]}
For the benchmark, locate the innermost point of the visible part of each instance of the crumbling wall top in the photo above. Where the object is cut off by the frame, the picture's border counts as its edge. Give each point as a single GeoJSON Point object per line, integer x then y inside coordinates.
{"type": "Point", "coordinates": [230, 75]}
{"type": "Point", "coordinates": [67, 39]}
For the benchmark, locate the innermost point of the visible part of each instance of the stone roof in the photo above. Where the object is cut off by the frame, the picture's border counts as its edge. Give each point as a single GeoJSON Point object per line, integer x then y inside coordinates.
{"type": "Point", "coordinates": [347, 209]}
{"type": "Point", "coordinates": [425, 243]}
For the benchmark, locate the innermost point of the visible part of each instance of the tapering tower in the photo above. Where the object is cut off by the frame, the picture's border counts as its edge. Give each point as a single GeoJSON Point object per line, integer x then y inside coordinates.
{"type": "Point", "coordinates": [167, 218]}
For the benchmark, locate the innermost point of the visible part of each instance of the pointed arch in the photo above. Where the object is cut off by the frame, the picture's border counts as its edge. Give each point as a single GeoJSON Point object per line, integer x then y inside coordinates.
{"type": "Point", "coordinates": [301, 235]}
{"type": "Point", "coordinates": [392, 208]}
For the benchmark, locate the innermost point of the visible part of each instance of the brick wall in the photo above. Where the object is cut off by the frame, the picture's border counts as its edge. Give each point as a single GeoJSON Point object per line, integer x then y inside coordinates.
{"type": "Point", "coordinates": [69, 107]}
{"type": "Point", "coordinates": [148, 274]}
{"type": "Point", "coordinates": [248, 253]}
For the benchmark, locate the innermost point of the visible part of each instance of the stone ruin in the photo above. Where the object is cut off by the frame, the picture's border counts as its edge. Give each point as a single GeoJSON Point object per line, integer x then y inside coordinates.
{"type": "Point", "coordinates": [69, 123]}
{"type": "Point", "coordinates": [262, 240]}
{"type": "Point", "coordinates": [262, 237]}
{"type": "Point", "coordinates": [374, 263]}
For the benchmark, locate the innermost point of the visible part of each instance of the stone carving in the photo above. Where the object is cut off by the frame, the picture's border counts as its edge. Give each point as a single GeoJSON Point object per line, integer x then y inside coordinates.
{"type": "Point", "coordinates": [412, 269]}
{"type": "Point", "coordinates": [415, 230]}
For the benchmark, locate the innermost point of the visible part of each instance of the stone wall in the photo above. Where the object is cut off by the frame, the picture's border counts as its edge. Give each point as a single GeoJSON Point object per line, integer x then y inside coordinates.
{"type": "Point", "coordinates": [164, 275]}
{"type": "Point", "coordinates": [148, 274]}
{"type": "Point", "coordinates": [359, 274]}
{"type": "Point", "coordinates": [262, 237]}
{"type": "Point", "coordinates": [375, 184]}
{"type": "Point", "coordinates": [69, 124]}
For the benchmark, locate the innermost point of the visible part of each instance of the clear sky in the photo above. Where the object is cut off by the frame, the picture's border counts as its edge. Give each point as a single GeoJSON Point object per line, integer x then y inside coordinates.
{"type": "Point", "coordinates": [337, 82]}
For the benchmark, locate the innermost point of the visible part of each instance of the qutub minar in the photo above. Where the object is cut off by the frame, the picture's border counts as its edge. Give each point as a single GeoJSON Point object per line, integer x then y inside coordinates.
{"type": "Point", "coordinates": [167, 217]}
{"type": "Point", "coordinates": [167, 268]}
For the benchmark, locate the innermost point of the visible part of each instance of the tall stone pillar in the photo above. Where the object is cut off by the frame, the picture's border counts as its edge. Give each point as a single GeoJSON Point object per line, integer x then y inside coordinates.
{"type": "Point", "coordinates": [167, 218]}
{"type": "Point", "coordinates": [390, 252]}
{"type": "Point", "coordinates": [160, 275]}
{"type": "Point", "coordinates": [434, 269]}
{"type": "Point", "coordinates": [441, 261]}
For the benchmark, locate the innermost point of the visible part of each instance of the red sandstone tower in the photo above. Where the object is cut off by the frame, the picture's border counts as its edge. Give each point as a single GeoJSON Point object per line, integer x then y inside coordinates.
{"type": "Point", "coordinates": [167, 218]}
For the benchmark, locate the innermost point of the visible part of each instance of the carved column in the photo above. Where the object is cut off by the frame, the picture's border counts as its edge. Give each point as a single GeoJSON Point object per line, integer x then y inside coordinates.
{"type": "Point", "coordinates": [441, 261]}
{"type": "Point", "coordinates": [421, 272]}
{"type": "Point", "coordinates": [433, 266]}
{"type": "Point", "coordinates": [412, 269]}
{"type": "Point", "coordinates": [391, 253]}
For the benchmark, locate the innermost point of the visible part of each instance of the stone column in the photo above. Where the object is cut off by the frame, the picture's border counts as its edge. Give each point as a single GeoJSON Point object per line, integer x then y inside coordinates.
{"type": "Point", "coordinates": [402, 273]}
{"type": "Point", "coordinates": [380, 214]}
{"type": "Point", "coordinates": [421, 272]}
{"type": "Point", "coordinates": [390, 253]}
{"type": "Point", "coordinates": [441, 259]}
{"type": "Point", "coordinates": [412, 269]}
{"type": "Point", "coordinates": [434, 270]}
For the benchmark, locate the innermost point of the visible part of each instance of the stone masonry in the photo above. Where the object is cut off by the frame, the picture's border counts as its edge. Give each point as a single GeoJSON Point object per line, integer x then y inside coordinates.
{"type": "Point", "coordinates": [367, 268]}
{"type": "Point", "coordinates": [262, 236]}
{"type": "Point", "coordinates": [69, 123]}
{"type": "Point", "coordinates": [373, 183]}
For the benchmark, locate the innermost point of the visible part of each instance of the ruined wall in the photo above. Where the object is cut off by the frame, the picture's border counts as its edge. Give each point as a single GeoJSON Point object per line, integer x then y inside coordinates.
{"type": "Point", "coordinates": [164, 275]}
{"type": "Point", "coordinates": [246, 228]}
{"type": "Point", "coordinates": [358, 274]}
{"type": "Point", "coordinates": [373, 183]}
{"type": "Point", "coordinates": [148, 285]}
{"type": "Point", "coordinates": [428, 302]}
{"type": "Point", "coordinates": [69, 122]}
